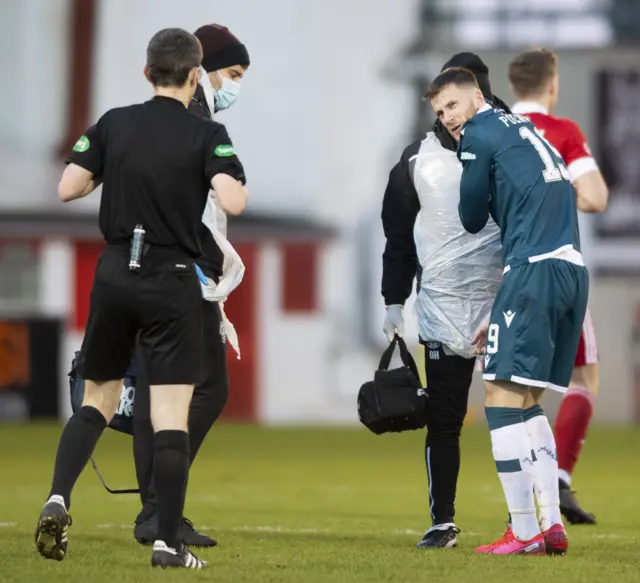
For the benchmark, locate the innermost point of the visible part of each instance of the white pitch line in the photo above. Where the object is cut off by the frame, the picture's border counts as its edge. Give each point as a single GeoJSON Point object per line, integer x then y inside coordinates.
{"type": "Point", "coordinates": [609, 535]}
{"type": "Point", "coordinates": [275, 529]}
{"type": "Point", "coordinates": [268, 529]}
{"type": "Point", "coordinates": [411, 532]}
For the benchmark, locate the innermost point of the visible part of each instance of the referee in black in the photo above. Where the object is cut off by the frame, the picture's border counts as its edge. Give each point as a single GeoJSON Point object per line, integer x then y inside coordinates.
{"type": "Point", "coordinates": [224, 57]}
{"type": "Point", "coordinates": [157, 162]}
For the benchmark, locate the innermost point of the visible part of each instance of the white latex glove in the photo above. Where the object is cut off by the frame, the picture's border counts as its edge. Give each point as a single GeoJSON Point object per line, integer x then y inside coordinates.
{"type": "Point", "coordinates": [394, 322]}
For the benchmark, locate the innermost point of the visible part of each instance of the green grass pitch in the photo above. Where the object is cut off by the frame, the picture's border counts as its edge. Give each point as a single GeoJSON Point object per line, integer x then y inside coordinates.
{"type": "Point", "coordinates": [317, 505]}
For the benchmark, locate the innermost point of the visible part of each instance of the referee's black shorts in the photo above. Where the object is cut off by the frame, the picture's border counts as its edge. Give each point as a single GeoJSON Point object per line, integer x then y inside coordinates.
{"type": "Point", "coordinates": [162, 303]}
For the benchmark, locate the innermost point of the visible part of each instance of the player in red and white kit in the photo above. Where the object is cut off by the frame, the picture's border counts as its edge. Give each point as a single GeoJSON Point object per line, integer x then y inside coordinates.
{"type": "Point", "coordinates": [534, 81]}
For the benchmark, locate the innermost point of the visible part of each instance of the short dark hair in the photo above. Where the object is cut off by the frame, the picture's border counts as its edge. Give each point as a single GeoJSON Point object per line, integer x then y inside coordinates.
{"type": "Point", "coordinates": [171, 54]}
{"type": "Point", "coordinates": [530, 71]}
{"type": "Point", "coordinates": [451, 76]}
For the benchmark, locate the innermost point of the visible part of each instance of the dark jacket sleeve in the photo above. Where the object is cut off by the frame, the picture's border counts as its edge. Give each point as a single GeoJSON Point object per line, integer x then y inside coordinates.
{"type": "Point", "coordinates": [199, 104]}
{"type": "Point", "coordinates": [400, 208]}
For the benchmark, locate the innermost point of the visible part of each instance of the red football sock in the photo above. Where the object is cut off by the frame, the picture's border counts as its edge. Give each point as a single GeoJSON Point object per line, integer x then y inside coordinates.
{"type": "Point", "coordinates": [571, 427]}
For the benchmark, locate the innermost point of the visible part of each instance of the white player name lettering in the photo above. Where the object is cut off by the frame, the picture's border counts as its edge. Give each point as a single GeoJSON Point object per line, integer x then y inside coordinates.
{"type": "Point", "coordinates": [512, 118]}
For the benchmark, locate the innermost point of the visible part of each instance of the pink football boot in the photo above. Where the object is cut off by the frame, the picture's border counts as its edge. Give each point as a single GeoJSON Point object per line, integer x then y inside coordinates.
{"type": "Point", "coordinates": [510, 545]}
{"type": "Point", "coordinates": [555, 540]}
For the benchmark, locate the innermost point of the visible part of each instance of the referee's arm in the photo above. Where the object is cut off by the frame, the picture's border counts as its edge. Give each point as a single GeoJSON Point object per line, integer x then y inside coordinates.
{"type": "Point", "coordinates": [400, 207]}
{"type": "Point", "coordinates": [84, 166]}
{"type": "Point", "coordinates": [224, 170]}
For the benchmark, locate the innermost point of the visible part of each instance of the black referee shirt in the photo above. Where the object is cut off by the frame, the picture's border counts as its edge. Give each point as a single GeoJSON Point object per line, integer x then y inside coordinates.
{"type": "Point", "coordinates": [213, 256]}
{"type": "Point", "coordinates": [156, 160]}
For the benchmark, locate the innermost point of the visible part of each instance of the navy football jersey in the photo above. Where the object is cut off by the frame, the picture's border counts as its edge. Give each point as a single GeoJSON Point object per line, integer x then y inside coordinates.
{"type": "Point", "coordinates": [513, 174]}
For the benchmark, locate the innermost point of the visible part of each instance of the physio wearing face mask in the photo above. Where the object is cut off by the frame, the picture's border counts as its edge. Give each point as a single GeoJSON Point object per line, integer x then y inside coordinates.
{"type": "Point", "coordinates": [226, 95]}
{"type": "Point", "coordinates": [225, 61]}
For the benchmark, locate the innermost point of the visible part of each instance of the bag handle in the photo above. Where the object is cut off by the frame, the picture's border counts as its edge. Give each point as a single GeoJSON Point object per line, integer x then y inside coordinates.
{"type": "Point", "coordinates": [111, 491]}
{"type": "Point", "coordinates": [405, 355]}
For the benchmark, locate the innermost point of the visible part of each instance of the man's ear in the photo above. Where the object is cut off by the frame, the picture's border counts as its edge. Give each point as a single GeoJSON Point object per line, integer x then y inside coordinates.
{"type": "Point", "coordinates": [479, 100]}
{"type": "Point", "coordinates": [145, 71]}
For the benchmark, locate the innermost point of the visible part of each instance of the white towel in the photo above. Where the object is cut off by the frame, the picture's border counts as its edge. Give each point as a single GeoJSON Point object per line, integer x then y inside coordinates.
{"type": "Point", "coordinates": [230, 331]}
{"type": "Point", "coordinates": [232, 269]}
{"type": "Point", "coordinates": [215, 219]}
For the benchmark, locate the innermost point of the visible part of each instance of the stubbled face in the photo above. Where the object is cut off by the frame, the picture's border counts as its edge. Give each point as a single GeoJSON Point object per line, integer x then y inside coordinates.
{"type": "Point", "coordinates": [235, 73]}
{"type": "Point", "coordinates": [455, 104]}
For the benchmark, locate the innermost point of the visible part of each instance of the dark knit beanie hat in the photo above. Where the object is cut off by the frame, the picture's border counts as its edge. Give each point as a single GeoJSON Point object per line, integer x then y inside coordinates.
{"type": "Point", "coordinates": [220, 48]}
{"type": "Point", "coordinates": [474, 63]}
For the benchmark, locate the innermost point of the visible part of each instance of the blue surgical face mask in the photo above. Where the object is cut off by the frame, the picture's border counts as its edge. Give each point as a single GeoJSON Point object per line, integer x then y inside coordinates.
{"type": "Point", "coordinates": [227, 94]}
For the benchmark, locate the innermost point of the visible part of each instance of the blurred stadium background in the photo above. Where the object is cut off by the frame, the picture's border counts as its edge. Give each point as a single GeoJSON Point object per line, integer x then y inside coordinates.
{"type": "Point", "coordinates": [331, 99]}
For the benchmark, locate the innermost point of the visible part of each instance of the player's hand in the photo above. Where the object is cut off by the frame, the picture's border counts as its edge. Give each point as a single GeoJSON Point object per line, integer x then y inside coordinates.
{"type": "Point", "coordinates": [394, 322]}
{"type": "Point", "coordinates": [480, 339]}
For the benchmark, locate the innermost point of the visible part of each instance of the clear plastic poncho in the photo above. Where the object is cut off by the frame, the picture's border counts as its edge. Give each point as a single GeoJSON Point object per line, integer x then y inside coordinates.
{"type": "Point", "coordinates": [461, 272]}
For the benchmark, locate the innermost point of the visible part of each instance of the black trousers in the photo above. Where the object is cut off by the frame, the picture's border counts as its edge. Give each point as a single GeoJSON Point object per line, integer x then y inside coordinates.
{"type": "Point", "coordinates": [448, 382]}
{"type": "Point", "coordinates": [209, 398]}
